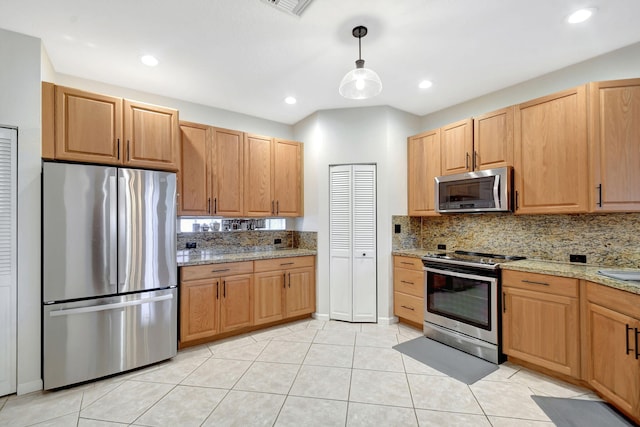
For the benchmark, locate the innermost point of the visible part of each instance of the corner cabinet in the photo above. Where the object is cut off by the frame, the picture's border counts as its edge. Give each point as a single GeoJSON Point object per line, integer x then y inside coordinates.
{"type": "Point", "coordinates": [284, 287]}
{"type": "Point", "coordinates": [540, 320]}
{"type": "Point", "coordinates": [614, 136]}
{"type": "Point", "coordinates": [423, 155]}
{"type": "Point", "coordinates": [612, 320]}
{"type": "Point", "coordinates": [93, 128]}
{"type": "Point", "coordinates": [550, 154]}
{"type": "Point", "coordinates": [408, 289]}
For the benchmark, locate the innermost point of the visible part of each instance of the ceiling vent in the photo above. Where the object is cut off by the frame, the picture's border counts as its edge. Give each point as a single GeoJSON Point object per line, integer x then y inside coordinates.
{"type": "Point", "coordinates": [294, 7]}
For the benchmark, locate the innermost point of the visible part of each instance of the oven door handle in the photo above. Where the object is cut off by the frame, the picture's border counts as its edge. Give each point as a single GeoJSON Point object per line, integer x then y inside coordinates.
{"type": "Point", "coordinates": [461, 275]}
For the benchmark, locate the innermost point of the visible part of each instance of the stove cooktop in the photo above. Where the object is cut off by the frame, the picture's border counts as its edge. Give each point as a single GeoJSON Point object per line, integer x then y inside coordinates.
{"type": "Point", "coordinates": [471, 258]}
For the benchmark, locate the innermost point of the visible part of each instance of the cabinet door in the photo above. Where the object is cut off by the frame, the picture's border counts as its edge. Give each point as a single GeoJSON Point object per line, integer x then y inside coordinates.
{"type": "Point", "coordinates": [227, 161]}
{"type": "Point", "coordinates": [194, 196]}
{"type": "Point", "coordinates": [199, 306]}
{"type": "Point", "coordinates": [543, 329]}
{"type": "Point", "coordinates": [614, 139]}
{"type": "Point", "coordinates": [493, 139]}
{"type": "Point", "coordinates": [612, 368]}
{"type": "Point", "coordinates": [152, 134]}
{"type": "Point", "coordinates": [457, 147]}
{"type": "Point", "coordinates": [268, 296]}
{"type": "Point", "coordinates": [550, 154]}
{"type": "Point", "coordinates": [423, 154]}
{"type": "Point", "coordinates": [88, 126]}
{"type": "Point", "coordinates": [287, 178]}
{"type": "Point", "coordinates": [236, 308]}
{"type": "Point", "coordinates": [258, 176]}
{"type": "Point", "coordinates": [300, 294]}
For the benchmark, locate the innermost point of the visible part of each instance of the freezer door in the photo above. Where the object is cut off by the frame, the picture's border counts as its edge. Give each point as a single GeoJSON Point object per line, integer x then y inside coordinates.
{"type": "Point", "coordinates": [147, 230]}
{"type": "Point", "coordinates": [91, 339]}
{"type": "Point", "coordinates": [79, 231]}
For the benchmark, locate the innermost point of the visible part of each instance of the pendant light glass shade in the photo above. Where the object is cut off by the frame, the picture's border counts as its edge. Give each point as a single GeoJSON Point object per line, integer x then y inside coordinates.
{"type": "Point", "coordinates": [360, 83]}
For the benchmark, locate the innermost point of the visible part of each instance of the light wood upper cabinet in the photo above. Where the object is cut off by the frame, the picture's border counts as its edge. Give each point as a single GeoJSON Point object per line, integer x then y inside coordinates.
{"type": "Point", "coordinates": [152, 135]}
{"type": "Point", "coordinates": [614, 140]}
{"type": "Point", "coordinates": [550, 154]}
{"type": "Point", "coordinates": [287, 178]}
{"type": "Point", "coordinates": [194, 197]}
{"type": "Point", "coordinates": [493, 139]}
{"type": "Point", "coordinates": [612, 325]}
{"type": "Point", "coordinates": [423, 155]}
{"type": "Point", "coordinates": [456, 146]}
{"type": "Point", "coordinates": [88, 126]}
{"type": "Point", "coordinates": [541, 322]}
{"type": "Point", "coordinates": [258, 174]}
{"type": "Point", "coordinates": [227, 177]}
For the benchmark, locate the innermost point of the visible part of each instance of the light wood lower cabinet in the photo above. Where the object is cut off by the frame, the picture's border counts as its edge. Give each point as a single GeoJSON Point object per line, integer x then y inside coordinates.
{"type": "Point", "coordinates": [612, 326]}
{"type": "Point", "coordinates": [214, 299]}
{"type": "Point", "coordinates": [541, 322]}
{"type": "Point", "coordinates": [284, 287]}
{"type": "Point", "coordinates": [222, 298]}
{"type": "Point", "coordinates": [408, 289]}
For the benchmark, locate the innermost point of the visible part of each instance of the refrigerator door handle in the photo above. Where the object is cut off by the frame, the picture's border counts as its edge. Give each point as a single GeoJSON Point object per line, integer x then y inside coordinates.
{"type": "Point", "coordinates": [106, 307]}
{"type": "Point", "coordinates": [113, 231]}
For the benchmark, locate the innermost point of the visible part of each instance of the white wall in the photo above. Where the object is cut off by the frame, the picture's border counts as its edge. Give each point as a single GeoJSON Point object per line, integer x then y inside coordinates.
{"type": "Point", "coordinates": [358, 135]}
{"type": "Point", "coordinates": [188, 111]}
{"type": "Point", "coordinates": [20, 106]}
{"type": "Point", "coordinates": [623, 63]}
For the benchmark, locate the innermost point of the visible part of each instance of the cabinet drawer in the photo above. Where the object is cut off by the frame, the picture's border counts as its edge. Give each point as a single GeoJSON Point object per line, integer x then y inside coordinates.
{"type": "Point", "coordinates": [408, 307]}
{"type": "Point", "coordinates": [541, 283]}
{"type": "Point", "coordinates": [408, 282]}
{"type": "Point", "coordinates": [208, 271]}
{"type": "Point", "coordinates": [283, 263]}
{"type": "Point", "coordinates": [407, 262]}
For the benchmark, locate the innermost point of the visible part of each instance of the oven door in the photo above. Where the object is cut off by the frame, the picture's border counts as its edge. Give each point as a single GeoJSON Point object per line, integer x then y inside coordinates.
{"type": "Point", "coordinates": [463, 302]}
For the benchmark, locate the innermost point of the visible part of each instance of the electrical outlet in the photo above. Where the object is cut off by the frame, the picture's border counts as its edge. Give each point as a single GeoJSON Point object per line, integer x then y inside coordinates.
{"type": "Point", "coordinates": [578, 258]}
{"type": "Point", "coordinates": [442, 247]}
{"type": "Point", "coordinates": [396, 228]}
{"type": "Point", "coordinates": [191, 245]}
{"type": "Point", "coordinates": [277, 241]}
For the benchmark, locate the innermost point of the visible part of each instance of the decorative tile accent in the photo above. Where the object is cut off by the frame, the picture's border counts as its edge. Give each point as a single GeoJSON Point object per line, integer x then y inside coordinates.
{"type": "Point", "coordinates": [606, 239]}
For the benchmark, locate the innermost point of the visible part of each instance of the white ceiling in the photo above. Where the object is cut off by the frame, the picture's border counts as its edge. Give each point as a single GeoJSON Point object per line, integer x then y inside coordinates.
{"type": "Point", "coordinates": [247, 56]}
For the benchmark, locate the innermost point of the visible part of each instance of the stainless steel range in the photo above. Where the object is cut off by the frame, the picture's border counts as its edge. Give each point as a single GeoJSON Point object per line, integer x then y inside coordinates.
{"type": "Point", "coordinates": [462, 305]}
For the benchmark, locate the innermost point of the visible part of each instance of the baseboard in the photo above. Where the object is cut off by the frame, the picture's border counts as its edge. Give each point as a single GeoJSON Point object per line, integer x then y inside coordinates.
{"type": "Point", "coordinates": [29, 387]}
{"type": "Point", "coordinates": [386, 321]}
{"type": "Point", "coordinates": [318, 316]}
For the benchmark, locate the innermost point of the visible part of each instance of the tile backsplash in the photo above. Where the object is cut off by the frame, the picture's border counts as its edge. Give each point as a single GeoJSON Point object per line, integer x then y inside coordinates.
{"type": "Point", "coordinates": [248, 241]}
{"type": "Point", "coordinates": [606, 239]}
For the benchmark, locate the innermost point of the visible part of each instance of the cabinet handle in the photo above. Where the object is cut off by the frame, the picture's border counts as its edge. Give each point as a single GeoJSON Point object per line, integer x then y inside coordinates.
{"type": "Point", "coordinates": [284, 280]}
{"type": "Point", "coordinates": [408, 308]}
{"type": "Point", "coordinates": [504, 302]}
{"type": "Point", "coordinates": [637, 353]}
{"type": "Point", "coordinates": [466, 161]}
{"type": "Point", "coordinates": [220, 271]}
{"type": "Point", "coordinates": [406, 263]}
{"type": "Point", "coordinates": [408, 283]}
{"type": "Point", "coordinates": [273, 209]}
{"type": "Point", "coordinates": [475, 159]}
{"type": "Point", "coordinates": [217, 290]}
{"type": "Point", "coordinates": [531, 282]}
{"type": "Point", "coordinates": [636, 329]}
{"type": "Point", "coordinates": [128, 157]}
{"type": "Point", "coordinates": [118, 147]}
{"type": "Point", "coordinates": [287, 263]}
{"type": "Point", "coordinates": [224, 289]}
{"type": "Point", "coordinates": [277, 207]}
{"type": "Point", "coordinates": [517, 205]}
{"type": "Point", "coordinates": [215, 205]}
{"type": "Point", "coordinates": [599, 187]}
{"type": "Point", "coordinates": [209, 205]}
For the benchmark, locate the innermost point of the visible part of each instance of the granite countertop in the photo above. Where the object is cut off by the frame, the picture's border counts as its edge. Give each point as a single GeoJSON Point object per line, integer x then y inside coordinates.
{"type": "Point", "coordinates": [210, 256]}
{"type": "Point", "coordinates": [555, 268]}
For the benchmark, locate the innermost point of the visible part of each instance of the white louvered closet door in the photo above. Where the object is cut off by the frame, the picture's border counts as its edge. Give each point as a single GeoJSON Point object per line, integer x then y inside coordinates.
{"type": "Point", "coordinates": [352, 235]}
{"type": "Point", "coordinates": [8, 263]}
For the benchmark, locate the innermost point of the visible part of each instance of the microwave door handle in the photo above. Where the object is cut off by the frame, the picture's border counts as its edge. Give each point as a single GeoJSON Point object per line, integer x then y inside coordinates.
{"type": "Point", "coordinates": [496, 191]}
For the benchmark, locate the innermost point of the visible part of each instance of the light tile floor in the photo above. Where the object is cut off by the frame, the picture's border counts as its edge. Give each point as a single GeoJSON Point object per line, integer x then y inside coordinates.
{"type": "Point", "coordinates": [307, 373]}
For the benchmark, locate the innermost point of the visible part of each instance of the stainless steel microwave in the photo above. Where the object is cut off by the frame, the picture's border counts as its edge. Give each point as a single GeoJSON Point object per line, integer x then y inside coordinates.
{"type": "Point", "coordinates": [480, 191]}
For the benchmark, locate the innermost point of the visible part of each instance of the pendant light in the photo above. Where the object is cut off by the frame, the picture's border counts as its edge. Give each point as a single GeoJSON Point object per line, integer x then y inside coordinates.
{"type": "Point", "coordinates": [360, 83]}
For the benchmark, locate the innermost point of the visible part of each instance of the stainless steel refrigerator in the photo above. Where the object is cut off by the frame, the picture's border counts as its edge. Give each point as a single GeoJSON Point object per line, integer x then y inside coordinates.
{"type": "Point", "coordinates": [109, 270]}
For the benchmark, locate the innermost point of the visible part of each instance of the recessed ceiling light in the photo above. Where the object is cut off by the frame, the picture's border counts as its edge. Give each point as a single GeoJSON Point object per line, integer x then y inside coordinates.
{"type": "Point", "coordinates": [425, 84]}
{"type": "Point", "coordinates": [290, 100]}
{"type": "Point", "coordinates": [580, 15]}
{"type": "Point", "coordinates": [149, 60]}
